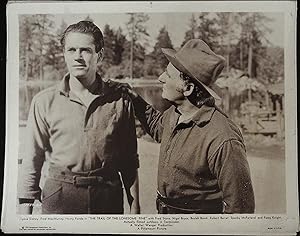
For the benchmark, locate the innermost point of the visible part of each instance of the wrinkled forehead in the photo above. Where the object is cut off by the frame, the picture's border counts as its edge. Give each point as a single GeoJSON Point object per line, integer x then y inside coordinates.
{"type": "Point", "coordinates": [77, 39]}
{"type": "Point", "coordinates": [172, 69]}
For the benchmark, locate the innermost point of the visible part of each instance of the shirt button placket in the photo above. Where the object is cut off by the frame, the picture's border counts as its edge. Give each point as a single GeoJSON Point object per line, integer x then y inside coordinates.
{"type": "Point", "coordinates": [170, 146]}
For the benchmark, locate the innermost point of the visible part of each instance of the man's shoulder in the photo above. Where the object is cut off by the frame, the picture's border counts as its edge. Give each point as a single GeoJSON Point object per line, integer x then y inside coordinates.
{"type": "Point", "coordinates": [170, 111]}
{"type": "Point", "coordinates": [116, 94]}
{"type": "Point", "coordinates": [224, 128]}
{"type": "Point", "coordinates": [45, 94]}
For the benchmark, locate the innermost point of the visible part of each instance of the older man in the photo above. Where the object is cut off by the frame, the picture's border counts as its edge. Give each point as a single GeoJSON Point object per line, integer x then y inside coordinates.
{"type": "Point", "coordinates": [202, 165]}
{"type": "Point", "coordinates": [88, 130]}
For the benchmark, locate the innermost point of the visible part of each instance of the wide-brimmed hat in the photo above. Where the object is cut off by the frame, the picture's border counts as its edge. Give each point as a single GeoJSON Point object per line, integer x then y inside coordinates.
{"type": "Point", "coordinates": [199, 62]}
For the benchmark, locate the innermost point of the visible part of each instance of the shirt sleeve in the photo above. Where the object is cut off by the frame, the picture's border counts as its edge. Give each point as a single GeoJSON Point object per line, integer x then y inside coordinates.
{"type": "Point", "coordinates": [128, 141]}
{"type": "Point", "coordinates": [37, 142]}
{"type": "Point", "coordinates": [150, 118]}
{"type": "Point", "coordinates": [230, 166]}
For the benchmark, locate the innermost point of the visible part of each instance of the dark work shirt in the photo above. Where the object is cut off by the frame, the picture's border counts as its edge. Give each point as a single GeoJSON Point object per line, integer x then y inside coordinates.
{"type": "Point", "coordinates": [201, 159]}
{"type": "Point", "coordinates": [76, 137]}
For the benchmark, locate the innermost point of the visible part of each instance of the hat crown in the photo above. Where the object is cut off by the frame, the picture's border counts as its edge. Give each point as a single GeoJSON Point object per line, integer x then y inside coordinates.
{"type": "Point", "coordinates": [200, 62]}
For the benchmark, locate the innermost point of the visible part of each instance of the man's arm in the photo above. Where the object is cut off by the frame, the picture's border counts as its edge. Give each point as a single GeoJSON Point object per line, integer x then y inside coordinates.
{"type": "Point", "coordinates": [150, 118]}
{"type": "Point", "coordinates": [30, 170]}
{"type": "Point", "coordinates": [131, 185]}
{"type": "Point", "coordinates": [229, 163]}
{"type": "Point", "coordinates": [129, 163]}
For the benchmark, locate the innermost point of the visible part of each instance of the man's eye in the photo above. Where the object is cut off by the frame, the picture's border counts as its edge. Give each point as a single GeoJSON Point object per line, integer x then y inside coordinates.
{"type": "Point", "coordinates": [85, 50]}
{"type": "Point", "coordinates": [71, 49]}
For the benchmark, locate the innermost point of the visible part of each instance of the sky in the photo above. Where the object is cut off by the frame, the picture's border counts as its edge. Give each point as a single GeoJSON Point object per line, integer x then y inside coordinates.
{"type": "Point", "coordinates": [176, 24]}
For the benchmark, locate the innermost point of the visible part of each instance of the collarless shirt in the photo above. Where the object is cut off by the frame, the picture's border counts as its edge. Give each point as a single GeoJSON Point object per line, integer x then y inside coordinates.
{"type": "Point", "coordinates": [77, 137]}
{"type": "Point", "coordinates": [202, 158]}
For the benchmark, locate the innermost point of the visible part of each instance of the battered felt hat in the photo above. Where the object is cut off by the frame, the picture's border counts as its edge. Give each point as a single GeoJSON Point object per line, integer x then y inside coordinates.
{"type": "Point", "coordinates": [199, 62]}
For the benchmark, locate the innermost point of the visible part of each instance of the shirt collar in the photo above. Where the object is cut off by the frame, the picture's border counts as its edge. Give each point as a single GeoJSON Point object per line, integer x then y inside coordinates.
{"type": "Point", "coordinates": [99, 87]}
{"type": "Point", "coordinates": [202, 116]}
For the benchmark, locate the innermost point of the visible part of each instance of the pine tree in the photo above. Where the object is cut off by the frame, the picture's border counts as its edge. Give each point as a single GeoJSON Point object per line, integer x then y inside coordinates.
{"type": "Point", "coordinates": [156, 61]}
{"type": "Point", "coordinates": [191, 33]}
{"type": "Point", "coordinates": [137, 33]}
{"type": "Point", "coordinates": [36, 39]}
{"type": "Point", "coordinates": [207, 29]}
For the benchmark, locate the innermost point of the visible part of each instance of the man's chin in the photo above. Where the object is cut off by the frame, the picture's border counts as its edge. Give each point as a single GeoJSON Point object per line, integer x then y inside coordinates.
{"type": "Point", "coordinates": [165, 97]}
{"type": "Point", "coordinates": [79, 75]}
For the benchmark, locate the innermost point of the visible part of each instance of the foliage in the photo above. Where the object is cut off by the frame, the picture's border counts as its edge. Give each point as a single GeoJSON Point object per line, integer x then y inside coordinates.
{"type": "Point", "coordinates": [134, 51]}
{"type": "Point", "coordinates": [39, 47]}
{"type": "Point", "coordinates": [271, 66]}
{"type": "Point", "coordinates": [239, 37]}
{"type": "Point", "coordinates": [156, 62]}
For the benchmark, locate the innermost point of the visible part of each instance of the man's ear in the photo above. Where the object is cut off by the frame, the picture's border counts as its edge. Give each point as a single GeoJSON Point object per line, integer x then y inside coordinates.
{"type": "Point", "coordinates": [189, 88]}
{"type": "Point", "coordinates": [100, 54]}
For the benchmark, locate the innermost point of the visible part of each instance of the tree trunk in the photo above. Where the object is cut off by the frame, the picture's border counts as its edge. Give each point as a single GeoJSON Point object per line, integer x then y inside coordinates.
{"type": "Point", "coordinates": [27, 61]}
{"type": "Point", "coordinates": [250, 67]}
{"type": "Point", "coordinates": [131, 48]}
{"type": "Point", "coordinates": [42, 29]}
{"type": "Point", "coordinates": [228, 44]}
{"type": "Point", "coordinates": [250, 59]}
{"type": "Point", "coordinates": [241, 56]}
{"type": "Point", "coordinates": [41, 69]}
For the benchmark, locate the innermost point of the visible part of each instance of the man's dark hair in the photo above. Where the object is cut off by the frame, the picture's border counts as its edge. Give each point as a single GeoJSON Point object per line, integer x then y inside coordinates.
{"type": "Point", "coordinates": [86, 27]}
{"type": "Point", "coordinates": [199, 95]}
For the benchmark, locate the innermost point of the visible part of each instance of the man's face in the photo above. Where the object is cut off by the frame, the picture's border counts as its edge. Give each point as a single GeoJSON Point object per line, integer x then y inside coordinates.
{"type": "Point", "coordinates": [173, 85]}
{"type": "Point", "coordinates": [80, 55]}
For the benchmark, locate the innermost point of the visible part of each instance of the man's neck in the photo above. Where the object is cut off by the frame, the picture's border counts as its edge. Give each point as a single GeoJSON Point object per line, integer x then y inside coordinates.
{"type": "Point", "coordinates": [81, 86]}
{"type": "Point", "coordinates": [82, 92]}
{"type": "Point", "coordinates": [187, 110]}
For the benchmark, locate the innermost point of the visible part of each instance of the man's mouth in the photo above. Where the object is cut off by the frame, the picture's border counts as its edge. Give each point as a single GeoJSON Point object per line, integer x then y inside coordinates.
{"type": "Point", "coordinates": [79, 66]}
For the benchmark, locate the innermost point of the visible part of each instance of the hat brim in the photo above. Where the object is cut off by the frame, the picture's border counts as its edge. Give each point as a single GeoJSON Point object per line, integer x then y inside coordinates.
{"type": "Point", "coordinates": [171, 56]}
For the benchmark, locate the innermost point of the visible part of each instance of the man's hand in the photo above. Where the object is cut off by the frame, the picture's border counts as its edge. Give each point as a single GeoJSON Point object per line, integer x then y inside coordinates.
{"type": "Point", "coordinates": [135, 208]}
{"type": "Point", "coordinates": [124, 87]}
{"type": "Point", "coordinates": [25, 209]}
{"type": "Point", "coordinates": [25, 206]}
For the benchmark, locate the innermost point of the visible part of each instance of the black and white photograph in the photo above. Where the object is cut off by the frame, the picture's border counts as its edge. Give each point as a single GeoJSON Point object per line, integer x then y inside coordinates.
{"type": "Point", "coordinates": [154, 117]}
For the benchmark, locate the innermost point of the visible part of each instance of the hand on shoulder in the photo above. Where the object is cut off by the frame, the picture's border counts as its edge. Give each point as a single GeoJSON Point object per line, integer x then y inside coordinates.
{"type": "Point", "coordinates": [123, 87]}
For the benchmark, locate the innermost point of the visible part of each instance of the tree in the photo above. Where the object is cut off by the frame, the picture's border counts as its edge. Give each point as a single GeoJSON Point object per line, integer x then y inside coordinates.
{"type": "Point", "coordinates": [250, 47]}
{"type": "Point", "coordinates": [137, 33]}
{"type": "Point", "coordinates": [108, 35]}
{"type": "Point", "coordinates": [207, 29]}
{"type": "Point", "coordinates": [135, 67]}
{"type": "Point", "coordinates": [114, 42]}
{"type": "Point", "coordinates": [36, 39]}
{"type": "Point", "coordinates": [60, 65]}
{"type": "Point", "coordinates": [120, 40]}
{"type": "Point", "coordinates": [156, 61]}
{"type": "Point", "coordinates": [192, 32]}
{"type": "Point", "coordinates": [271, 66]}
{"type": "Point", "coordinates": [25, 49]}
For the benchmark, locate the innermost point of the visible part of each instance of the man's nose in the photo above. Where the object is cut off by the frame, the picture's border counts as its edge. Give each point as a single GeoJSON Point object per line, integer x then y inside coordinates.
{"type": "Point", "coordinates": [77, 55]}
{"type": "Point", "coordinates": [162, 78]}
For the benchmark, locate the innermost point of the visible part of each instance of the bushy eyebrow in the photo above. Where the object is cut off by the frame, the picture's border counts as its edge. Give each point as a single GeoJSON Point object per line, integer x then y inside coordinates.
{"type": "Point", "coordinates": [81, 48]}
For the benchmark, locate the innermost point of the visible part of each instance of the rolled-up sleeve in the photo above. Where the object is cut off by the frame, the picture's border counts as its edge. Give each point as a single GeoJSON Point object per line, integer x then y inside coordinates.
{"type": "Point", "coordinates": [230, 166]}
{"type": "Point", "coordinates": [36, 144]}
{"type": "Point", "coordinates": [151, 119]}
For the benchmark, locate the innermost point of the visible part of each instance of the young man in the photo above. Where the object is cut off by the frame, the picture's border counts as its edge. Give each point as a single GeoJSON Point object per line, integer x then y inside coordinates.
{"type": "Point", "coordinates": [88, 130]}
{"type": "Point", "coordinates": [202, 164]}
